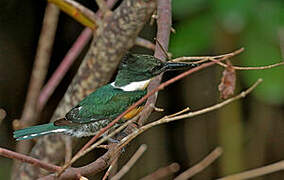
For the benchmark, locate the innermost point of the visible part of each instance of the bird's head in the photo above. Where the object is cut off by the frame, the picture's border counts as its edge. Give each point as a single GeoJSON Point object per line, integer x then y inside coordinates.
{"type": "Point", "coordinates": [138, 68]}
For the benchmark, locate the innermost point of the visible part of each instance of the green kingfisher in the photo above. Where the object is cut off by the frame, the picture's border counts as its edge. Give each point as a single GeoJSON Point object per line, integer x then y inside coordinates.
{"type": "Point", "coordinates": [106, 103]}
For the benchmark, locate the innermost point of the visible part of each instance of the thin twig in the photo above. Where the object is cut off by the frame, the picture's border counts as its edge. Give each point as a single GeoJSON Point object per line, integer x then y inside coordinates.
{"type": "Point", "coordinates": [180, 112]}
{"type": "Point", "coordinates": [163, 49]}
{"type": "Point", "coordinates": [258, 68]}
{"type": "Point", "coordinates": [68, 148]}
{"type": "Point", "coordinates": [201, 165]}
{"type": "Point", "coordinates": [201, 59]}
{"type": "Point", "coordinates": [163, 172]}
{"type": "Point", "coordinates": [279, 166]}
{"type": "Point", "coordinates": [130, 163]}
{"type": "Point", "coordinates": [110, 168]}
{"type": "Point", "coordinates": [144, 43]}
{"type": "Point", "coordinates": [191, 58]}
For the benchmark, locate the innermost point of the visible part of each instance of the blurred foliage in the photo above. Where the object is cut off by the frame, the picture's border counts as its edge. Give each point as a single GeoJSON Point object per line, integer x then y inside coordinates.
{"type": "Point", "coordinates": [257, 23]}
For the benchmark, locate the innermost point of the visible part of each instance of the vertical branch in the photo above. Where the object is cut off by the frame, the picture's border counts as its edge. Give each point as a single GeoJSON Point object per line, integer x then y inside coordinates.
{"type": "Point", "coordinates": [164, 23]}
{"type": "Point", "coordinates": [42, 58]}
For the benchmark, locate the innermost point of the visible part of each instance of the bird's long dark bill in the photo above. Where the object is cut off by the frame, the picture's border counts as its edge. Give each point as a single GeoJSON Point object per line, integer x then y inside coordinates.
{"type": "Point", "coordinates": [178, 66]}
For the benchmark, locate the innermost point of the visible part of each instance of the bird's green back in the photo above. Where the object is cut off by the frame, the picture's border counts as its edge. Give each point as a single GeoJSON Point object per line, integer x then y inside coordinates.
{"type": "Point", "coordinates": [106, 102]}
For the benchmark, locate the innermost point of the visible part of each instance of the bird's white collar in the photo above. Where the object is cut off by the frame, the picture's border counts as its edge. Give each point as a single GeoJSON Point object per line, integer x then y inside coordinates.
{"type": "Point", "coordinates": [133, 86]}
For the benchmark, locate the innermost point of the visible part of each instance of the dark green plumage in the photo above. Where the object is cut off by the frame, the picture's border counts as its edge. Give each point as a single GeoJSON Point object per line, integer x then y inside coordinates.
{"type": "Point", "coordinates": [105, 103]}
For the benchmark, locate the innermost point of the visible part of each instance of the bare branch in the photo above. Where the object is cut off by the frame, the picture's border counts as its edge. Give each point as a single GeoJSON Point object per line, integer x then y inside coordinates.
{"type": "Point", "coordinates": [201, 165]}
{"type": "Point", "coordinates": [130, 163]}
{"type": "Point", "coordinates": [248, 68]}
{"type": "Point", "coordinates": [14, 155]}
{"type": "Point", "coordinates": [68, 148]}
{"type": "Point", "coordinates": [279, 166]}
{"type": "Point", "coordinates": [163, 172]}
{"type": "Point", "coordinates": [87, 12]}
{"type": "Point", "coordinates": [191, 58]}
{"type": "Point", "coordinates": [144, 43]}
{"type": "Point", "coordinates": [62, 69]}
{"type": "Point", "coordinates": [164, 23]}
{"type": "Point", "coordinates": [79, 12]}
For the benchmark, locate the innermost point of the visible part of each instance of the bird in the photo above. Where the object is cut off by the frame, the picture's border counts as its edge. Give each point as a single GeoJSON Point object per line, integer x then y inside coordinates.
{"type": "Point", "coordinates": [100, 107]}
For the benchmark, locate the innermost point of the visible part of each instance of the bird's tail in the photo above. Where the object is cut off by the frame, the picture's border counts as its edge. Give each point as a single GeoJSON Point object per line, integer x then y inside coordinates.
{"type": "Point", "coordinates": [35, 131]}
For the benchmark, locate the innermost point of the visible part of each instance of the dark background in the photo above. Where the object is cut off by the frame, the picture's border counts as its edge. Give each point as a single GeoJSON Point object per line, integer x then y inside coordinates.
{"type": "Point", "coordinates": [251, 131]}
